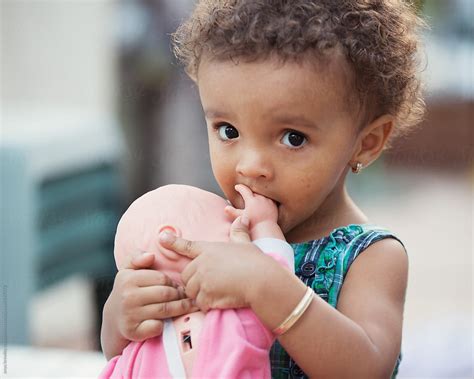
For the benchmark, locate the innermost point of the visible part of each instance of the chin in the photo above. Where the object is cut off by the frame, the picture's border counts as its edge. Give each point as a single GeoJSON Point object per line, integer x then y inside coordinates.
{"type": "Point", "coordinates": [282, 221]}
{"type": "Point", "coordinates": [286, 223]}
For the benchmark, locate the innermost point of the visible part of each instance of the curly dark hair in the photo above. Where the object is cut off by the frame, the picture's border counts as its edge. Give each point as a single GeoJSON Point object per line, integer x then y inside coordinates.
{"type": "Point", "coordinates": [379, 38]}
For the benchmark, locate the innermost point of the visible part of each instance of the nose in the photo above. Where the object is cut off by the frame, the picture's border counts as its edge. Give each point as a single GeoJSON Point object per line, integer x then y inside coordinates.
{"type": "Point", "coordinates": [254, 164]}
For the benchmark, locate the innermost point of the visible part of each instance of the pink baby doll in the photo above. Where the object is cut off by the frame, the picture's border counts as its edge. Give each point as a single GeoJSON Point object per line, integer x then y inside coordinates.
{"type": "Point", "coordinates": [230, 343]}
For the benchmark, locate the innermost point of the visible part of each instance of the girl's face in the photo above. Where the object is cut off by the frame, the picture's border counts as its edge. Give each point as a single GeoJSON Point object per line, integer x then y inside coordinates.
{"type": "Point", "coordinates": [283, 131]}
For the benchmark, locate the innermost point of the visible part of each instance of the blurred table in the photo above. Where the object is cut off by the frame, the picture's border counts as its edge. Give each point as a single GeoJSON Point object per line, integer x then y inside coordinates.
{"type": "Point", "coordinates": [29, 362]}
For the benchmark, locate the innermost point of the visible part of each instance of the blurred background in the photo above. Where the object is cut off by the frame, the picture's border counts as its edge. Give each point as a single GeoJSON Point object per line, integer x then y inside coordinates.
{"type": "Point", "coordinates": [95, 112]}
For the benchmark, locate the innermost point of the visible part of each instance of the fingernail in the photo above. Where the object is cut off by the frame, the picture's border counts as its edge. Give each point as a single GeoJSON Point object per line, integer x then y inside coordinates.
{"type": "Point", "coordinates": [244, 220]}
{"type": "Point", "coordinates": [166, 237]}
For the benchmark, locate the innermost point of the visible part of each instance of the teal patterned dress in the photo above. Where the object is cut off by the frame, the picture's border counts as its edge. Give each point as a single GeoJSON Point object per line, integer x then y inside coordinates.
{"type": "Point", "coordinates": [322, 264]}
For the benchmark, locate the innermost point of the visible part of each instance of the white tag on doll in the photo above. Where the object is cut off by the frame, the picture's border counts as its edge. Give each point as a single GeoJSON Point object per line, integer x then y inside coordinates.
{"type": "Point", "coordinates": [172, 352]}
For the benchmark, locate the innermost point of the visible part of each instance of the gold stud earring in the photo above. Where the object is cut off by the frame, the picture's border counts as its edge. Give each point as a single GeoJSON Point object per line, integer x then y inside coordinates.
{"type": "Point", "coordinates": [357, 168]}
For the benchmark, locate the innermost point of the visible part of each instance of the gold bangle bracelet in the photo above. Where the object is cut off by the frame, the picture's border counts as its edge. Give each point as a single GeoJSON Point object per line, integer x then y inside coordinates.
{"type": "Point", "coordinates": [296, 313]}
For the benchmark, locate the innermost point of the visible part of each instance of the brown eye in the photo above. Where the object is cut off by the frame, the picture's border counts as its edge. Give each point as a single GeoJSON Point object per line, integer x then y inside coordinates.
{"type": "Point", "coordinates": [227, 132]}
{"type": "Point", "coordinates": [294, 139]}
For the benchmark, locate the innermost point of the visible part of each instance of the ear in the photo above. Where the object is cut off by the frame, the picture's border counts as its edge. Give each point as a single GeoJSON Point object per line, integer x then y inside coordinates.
{"type": "Point", "coordinates": [170, 228]}
{"type": "Point", "coordinates": [171, 255]}
{"type": "Point", "coordinates": [372, 140]}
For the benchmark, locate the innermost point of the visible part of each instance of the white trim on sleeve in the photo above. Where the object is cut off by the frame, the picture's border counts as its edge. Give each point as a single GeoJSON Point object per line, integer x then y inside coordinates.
{"type": "Point", "coordinates": [277, 246]}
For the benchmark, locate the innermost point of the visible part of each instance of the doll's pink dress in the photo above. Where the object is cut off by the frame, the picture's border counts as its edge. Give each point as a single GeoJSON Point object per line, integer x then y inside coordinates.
{"type": "Point", "coordinates": [233, 344]}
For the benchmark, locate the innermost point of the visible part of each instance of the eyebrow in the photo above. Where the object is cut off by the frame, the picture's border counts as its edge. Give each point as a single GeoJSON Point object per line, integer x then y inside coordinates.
{"type": "Point", "coordinates": [211, 113]}
{"type": "Point", "coordinates": [280, 119]}
{"type": "Point", "coordinates": [295, 120]}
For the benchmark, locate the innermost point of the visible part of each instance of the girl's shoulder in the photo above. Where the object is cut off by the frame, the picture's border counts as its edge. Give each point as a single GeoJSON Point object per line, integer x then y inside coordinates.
{"type": "Point", "coordinates": [323, 263]}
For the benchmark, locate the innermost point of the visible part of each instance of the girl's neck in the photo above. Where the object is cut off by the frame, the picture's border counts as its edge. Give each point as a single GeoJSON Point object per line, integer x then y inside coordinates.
{"type": "Point", "coordinates": [337, 210]}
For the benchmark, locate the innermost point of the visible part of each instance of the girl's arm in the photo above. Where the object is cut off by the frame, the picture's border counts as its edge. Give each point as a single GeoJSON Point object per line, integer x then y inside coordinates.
{"type": "Point", "coordinates": [111, 339]}
{"type": "Point", "coordinates": [361, 339]}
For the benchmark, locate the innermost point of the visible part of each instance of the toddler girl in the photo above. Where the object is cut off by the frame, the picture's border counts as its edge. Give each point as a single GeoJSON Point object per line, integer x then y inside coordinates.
{"type": "Point", "coordinates": [296, 94]}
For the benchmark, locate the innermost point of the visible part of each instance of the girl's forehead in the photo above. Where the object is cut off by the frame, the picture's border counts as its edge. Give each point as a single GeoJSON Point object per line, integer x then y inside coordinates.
{"type": "Point", "coordinates": [271, 85]}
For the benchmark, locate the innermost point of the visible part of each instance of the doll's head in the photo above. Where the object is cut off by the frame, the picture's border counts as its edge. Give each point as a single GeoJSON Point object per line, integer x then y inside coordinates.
{"type": "Point", "coordinates": [187, 211]}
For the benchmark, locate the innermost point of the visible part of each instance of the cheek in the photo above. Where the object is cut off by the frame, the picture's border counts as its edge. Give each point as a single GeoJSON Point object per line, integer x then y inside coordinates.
{"type": "Point", "coordinates": [223, 171]}
{"type": "Point", "coordinates": [307, 194]}
{"type": "Point", "coordinates": [308, 181]}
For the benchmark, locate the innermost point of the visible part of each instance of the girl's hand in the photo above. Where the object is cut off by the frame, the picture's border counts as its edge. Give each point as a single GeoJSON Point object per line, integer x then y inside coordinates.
{"type": "Point", "coordinates": [258, 208]}
{"type": "Point", "coordinates": [139, 300]}
{"type": "Point", "coordinates": [221, 274]}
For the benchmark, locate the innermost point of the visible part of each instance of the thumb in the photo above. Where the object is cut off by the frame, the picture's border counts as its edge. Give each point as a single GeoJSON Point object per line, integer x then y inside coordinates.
{"type": "Point", "coordinates": [138, 260]}
{"type": "Point", "coordinates": [233, 212]}
{"type": "Point", "coordinates": [179, 245]}
{"type": "Point", "coordinates": [239, 230]}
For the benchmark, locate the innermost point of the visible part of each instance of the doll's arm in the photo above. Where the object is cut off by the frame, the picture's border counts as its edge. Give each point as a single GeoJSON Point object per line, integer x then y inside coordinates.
{"type": "Point", "coordinates": [261, 212]}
